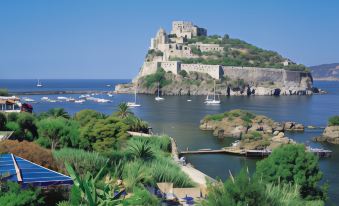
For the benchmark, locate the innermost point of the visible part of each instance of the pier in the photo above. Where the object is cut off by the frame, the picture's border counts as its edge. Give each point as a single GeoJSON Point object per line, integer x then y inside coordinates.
{"type": "Point", "coordinates": [226, 150]}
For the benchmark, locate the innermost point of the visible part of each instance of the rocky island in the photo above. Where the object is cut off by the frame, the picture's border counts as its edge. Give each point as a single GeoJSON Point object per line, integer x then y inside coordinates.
{"type": "Point", "coordinates": [331, 132]}
{"type": "Point", "coordinates": [253, 131]}
{"type": "Point", "coordinates": [187, 61]}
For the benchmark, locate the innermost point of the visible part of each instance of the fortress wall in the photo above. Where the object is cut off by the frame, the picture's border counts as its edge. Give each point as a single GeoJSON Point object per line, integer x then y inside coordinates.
{"type": "Point", "coordinates": [254, 74]}
{"type": "Point", "coordinates": [213, 70]}
{"type": "Point", "coordinates": [148, 68]}
{"type": "Point", "coordinates": [172, 66]}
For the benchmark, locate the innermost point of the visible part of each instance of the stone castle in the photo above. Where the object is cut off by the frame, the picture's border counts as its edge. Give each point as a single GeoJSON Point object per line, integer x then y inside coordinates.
{"type": "Point", "coordinates": [165, 47]}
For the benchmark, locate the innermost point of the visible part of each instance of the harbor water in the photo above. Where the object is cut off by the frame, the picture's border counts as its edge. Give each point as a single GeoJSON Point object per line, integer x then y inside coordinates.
{"type": "Point", "coordinates": [180, 119]}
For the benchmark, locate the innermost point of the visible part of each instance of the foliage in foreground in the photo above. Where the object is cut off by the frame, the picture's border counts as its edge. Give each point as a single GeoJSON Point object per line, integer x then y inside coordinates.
{"type": "Point", "coordinates": [291, 164]}
{"type": "Point", "coordinates": [12, 195]}
{"type": "Point", "coordinates": [243, 190]}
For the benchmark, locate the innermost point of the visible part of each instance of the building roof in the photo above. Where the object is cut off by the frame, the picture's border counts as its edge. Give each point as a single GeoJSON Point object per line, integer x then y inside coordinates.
{"type": "Point", "coordinates": [14, 168]}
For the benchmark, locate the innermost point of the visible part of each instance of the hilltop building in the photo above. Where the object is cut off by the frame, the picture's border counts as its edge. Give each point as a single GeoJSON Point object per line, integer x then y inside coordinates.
{"type": "Point", "coordinates": [183, 42]}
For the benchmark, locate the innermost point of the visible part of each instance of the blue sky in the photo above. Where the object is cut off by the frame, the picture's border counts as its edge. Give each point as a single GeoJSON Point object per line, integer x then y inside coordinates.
{"type": "Point", "coordinates": [109, 39]}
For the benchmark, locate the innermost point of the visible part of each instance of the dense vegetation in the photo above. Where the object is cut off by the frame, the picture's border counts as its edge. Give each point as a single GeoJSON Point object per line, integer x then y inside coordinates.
{"type": "Point", "coordinates": [333, 121]}
{"type": "Point", "coordinates": [290, 176]}
{"type": "Point", "coordinates": [157, 78]}
{"type": "Point", "coordinates": [244, 115]}
{"type": "Point", "coordinates": [237, 53]}
{"type": "Point", "coordinates": [103, 160]}
{"type": "Point", "coordinates": [101, 157]}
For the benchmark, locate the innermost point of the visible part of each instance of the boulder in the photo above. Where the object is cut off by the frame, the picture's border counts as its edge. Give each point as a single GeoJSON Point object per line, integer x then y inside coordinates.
{"type": "Point", "coordinates": [331, 133]}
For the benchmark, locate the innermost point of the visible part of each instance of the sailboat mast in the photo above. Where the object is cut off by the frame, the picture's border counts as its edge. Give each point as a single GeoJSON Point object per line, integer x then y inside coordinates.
{"type": "Point", "coordinates": [135, 95]}
{"type": "Point", "coordinates": [214, 91]}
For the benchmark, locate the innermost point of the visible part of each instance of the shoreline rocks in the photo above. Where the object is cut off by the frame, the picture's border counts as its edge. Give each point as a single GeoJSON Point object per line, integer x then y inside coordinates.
{"type": "Point", "coordinates": [254, 131]}
{"type": "Point", "coordinates": [330, 135]}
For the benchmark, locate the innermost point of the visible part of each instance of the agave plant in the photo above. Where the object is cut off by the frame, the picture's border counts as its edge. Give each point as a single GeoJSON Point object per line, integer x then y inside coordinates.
{"type": "Point", "coordinates": [90, 193]}
{"type": "Point", "coordinates": [141, 149]}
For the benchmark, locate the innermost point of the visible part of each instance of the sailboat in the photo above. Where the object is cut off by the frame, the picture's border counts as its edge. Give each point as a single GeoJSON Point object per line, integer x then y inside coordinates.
{"type": "Point", "coordinates": [39, 83]}
{"type": "Point", "coordinates": [158, 98]}
{"type": "Point", "coordinates": [214, 100]}
{"type": "Point", "coordinates": [134, 104]}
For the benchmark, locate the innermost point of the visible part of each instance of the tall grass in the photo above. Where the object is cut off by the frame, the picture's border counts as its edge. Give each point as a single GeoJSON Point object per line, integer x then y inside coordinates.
{"type": "Point", "coordinates": [165, 170]}
{"type": "Point", "coordinates": [82, 161]}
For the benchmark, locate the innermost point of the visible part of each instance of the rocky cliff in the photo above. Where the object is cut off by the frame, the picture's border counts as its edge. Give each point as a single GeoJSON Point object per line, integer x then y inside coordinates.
{"type": "Point", "coordinates": [249, 81]}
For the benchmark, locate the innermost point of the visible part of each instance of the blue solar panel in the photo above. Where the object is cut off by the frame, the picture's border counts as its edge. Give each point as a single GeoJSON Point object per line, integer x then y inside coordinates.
{"type": "Point", "coordinates": [31, 173]}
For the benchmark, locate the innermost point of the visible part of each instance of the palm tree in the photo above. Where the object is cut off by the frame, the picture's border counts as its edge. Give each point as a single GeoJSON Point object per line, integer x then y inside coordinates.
{"type": "Point", "coordinates": [136, 124]}
{"type": "Point", "coordinates": [123, 110]}
{"type": "Point", "coordinates": [58, 112]}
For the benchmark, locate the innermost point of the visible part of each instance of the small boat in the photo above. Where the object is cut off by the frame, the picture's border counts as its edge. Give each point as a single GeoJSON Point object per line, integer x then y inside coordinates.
{"type": "Point", "coordinates": [110, 95]}
{"type": "Point", "coordinates": [102, 100]}
{"type": "Point", "coordinates": [108, 85]}
{"type": "Point", "coordinates": [70, 99]}
{"type": "Point", "coordinates": [39, 84]}
{"type": "Point", "coordinates": [189, 100]}
{"type": "Point", "coordinates": [62, 98]}
{"type": "Point", "coordinates": [80, 101]}
{"type": "Point", "coordinates": [134, 104]}
{"type": "Point", "coordinates": [213, 101]}
{"type": "Point", "coordinates": [44, 98]}
{"type": "Point", "coordinates": [158, 98]}
{"type": "Point", "coordinates": [28, 100]}
{"type": "Point", "coordinates": [52, 100]}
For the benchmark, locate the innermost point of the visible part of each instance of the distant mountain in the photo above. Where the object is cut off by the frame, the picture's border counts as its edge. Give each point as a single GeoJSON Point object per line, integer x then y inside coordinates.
{"type": "Point", "coordinates": [325, 72]}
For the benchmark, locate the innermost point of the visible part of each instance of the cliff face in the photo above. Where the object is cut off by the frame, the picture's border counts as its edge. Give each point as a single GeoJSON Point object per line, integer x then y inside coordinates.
{"type": "Point", "coordinates": [237, 82]}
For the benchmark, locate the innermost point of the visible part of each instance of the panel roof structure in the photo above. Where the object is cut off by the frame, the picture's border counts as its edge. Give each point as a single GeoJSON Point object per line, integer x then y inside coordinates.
{"type": "Point", "coordinates": [17, 169]}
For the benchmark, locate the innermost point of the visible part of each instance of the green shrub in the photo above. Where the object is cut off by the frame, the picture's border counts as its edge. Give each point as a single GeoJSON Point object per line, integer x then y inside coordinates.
{"type": "Point", "coordinates": [157, 77]}
{"type": "Point", "coordinates": [333, 121]}
{"type": "Point", "coordinates": [141, 197]}
{"type": "Point", "coordinates": [291, 164]}
{"type": "Point", "coordinates": [3, 92]}
{"type": "Point", "coordinates": [165, 170]}
{"type": "Point", "coordinates": [183, 73]}
{"type": "Point", "coordinates": [3, 121]}
{"type": "Point", "coordinates": [82, 161]}
{"type": "Point", "coordinates": [12, 194]}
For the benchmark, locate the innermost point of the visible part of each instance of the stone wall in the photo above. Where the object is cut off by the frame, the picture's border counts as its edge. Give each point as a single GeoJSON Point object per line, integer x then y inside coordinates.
{"type": "Point", "coordinates": [213, 70]}
{"type": "Point", "coordinates": [172, 66]}
{"type": "Point", "coordinates": [254, 75]}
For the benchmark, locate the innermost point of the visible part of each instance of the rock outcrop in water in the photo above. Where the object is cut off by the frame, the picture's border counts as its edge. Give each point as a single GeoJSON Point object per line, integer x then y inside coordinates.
{"type": "Point", "coordinates": [330, 135]}
{"type": "Point", "coordinates": [253, 131]}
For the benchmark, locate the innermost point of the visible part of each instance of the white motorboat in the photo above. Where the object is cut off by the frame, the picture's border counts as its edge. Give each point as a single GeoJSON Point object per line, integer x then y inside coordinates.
{"type": "Point", "coordinates": [44, 98]}
{"type": "Point", "coordinates": [70, 99]}
{"type": "Point", "coordinates": [80, 101]}
{"type": "Point", "coordinates": [102, 100]}
{"type": "Point", "coordinates": [28, 99]}
{"type": "Point", "coordinates": [158, 98]}
{"type": "Point", "coordinates": [62, 98]}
